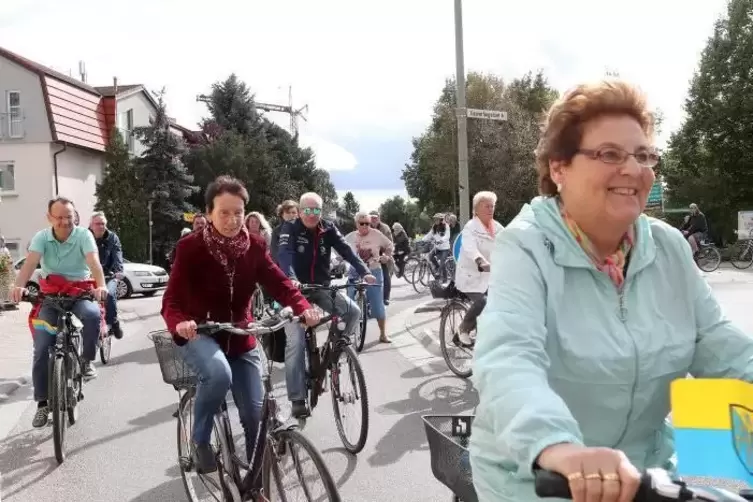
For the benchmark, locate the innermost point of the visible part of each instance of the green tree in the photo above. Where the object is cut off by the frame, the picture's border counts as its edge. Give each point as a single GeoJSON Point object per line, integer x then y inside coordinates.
{"type": "Point", "coordinates": [350, 205]}
{"type": "Point", "coordinates": [243, 143]}
{"type": "Point", "coordinates": [121, 196]}
{"type": "Point", "coordinates": [500, 154]}
{"type": "Point", "coordinates": [165, 180]}
{"type": "Point", "coordinates": [405, 212]}
{"type": "Point", "coordinates": [709, 158]}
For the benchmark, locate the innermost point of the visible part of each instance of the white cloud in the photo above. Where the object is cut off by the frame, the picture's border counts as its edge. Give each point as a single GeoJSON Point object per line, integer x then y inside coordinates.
{"type": "Point", "coordinates": [330, 156]}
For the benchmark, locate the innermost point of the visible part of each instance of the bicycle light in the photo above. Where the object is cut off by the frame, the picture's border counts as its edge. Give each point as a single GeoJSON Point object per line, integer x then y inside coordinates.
{"type": "Point", "coordinates": [341, 326]}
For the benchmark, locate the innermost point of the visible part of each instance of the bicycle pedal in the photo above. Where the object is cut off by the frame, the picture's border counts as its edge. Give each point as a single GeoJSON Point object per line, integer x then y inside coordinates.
{"type": "Point", "coordinates": [185, 463]}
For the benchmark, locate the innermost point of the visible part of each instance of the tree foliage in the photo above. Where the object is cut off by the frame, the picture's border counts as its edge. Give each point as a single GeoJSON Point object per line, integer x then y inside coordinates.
{"type": "Point", "coordinates": [500, 154]}
{"type": "Point", "coordinates": [243, 143]}
{"type": "Point", "coordinates": [350, 205]}
{"type": "Point", "coordinates": [165, 180]}
{"type": "Point", "coordinates": [122, 197]}
{"type": "Point", "coordinates": [710, 158]}
{"type": "Point", "coordinates": [405, 212]}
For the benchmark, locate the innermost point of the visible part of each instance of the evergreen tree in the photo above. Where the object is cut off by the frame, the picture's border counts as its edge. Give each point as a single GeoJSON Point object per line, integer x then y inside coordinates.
{"type": "Point", "coordinates": [121, 196]}
{"type": "Point", "coordinates": [350, 204]}
{"type": "Point", "coordinates": [165, 180]}
{"type": "Point", "coordinates": [710, 157]}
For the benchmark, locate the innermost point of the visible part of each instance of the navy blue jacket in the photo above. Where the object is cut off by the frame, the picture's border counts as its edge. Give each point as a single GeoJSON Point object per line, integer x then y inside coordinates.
{"type": "Point", "coordinates": [110, 253]}
{"type": "Point", "coordinates": [304, 255]}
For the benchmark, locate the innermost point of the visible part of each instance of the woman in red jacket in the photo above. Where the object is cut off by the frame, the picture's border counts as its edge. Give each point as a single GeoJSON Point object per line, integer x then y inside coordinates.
{"type": "Point", "coordinates": [214, 275]}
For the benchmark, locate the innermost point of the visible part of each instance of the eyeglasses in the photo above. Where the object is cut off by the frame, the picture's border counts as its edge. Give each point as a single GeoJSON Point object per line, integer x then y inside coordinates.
{"type": "Point", "coordinates": [308, 211]}
{"type": "Point", "coordinates": [618, 156]}
{"type": "Point", "coordinates": [364, 223]}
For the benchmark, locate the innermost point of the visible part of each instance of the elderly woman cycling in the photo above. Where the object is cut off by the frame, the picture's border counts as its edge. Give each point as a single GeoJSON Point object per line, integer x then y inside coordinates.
{"type": "Point", "coordinates": [593, 309]}
{"type": "Point", "coordinates": [472, 275]}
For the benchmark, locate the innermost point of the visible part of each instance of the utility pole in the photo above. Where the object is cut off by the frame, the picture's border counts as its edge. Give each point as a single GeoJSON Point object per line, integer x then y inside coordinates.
{"type": "Point", "coordinates": [151, 230]}
{"type": "Point", "coordinates": [463, 184]}
{"type": "Point", "coordinates": [272, 107]}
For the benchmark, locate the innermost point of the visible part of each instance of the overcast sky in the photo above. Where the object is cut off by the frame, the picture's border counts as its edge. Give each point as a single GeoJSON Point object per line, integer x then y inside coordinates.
{"type": "Point", "coordinates": [369, 71]}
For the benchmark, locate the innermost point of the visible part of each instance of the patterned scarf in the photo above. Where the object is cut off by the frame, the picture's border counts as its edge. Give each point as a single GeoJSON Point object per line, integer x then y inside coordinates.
{"type": "Point", "coordinates": [614, 264]}
{"type": "Point", "coordinates": [226, 250]}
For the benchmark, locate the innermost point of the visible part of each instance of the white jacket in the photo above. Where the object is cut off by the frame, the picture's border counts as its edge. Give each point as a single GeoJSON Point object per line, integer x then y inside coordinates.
{"type": "Point", "coordinates": [476, 242]}
{"type": "Point", "coordinates": [441, 241]}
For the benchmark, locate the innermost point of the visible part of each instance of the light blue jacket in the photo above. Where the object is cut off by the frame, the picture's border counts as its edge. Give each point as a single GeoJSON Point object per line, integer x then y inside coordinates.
{"type": "Point", "coordinates": [563, 356]}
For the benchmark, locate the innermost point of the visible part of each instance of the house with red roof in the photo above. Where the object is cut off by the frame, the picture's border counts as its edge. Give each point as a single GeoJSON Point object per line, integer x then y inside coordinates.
{"type": "Point", "coordinates": [53, 133]}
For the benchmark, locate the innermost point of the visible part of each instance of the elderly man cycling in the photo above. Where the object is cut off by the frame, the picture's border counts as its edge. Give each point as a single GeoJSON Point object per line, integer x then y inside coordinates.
{"type": "Point", "coordinates": [70, 259]}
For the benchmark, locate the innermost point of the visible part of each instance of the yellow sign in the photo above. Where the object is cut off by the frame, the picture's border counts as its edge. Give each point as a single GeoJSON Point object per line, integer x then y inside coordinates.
{"type": "Point", "coordinates": [188, 217]}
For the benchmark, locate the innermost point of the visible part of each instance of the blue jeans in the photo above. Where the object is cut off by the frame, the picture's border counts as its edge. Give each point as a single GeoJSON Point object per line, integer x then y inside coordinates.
{"type": "Point", "coordinates": [218, 374]}
{"type": "Point", "coordinates": [374, 295]}
{"type": "Point", "coordinates": [295, 347]}
{"type": "Point", "coordinates": [45, 331]}
{"type": "Point", "coordinates": [111, 303]}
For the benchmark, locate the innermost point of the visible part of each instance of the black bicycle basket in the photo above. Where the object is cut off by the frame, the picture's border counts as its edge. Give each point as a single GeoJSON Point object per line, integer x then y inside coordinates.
{"type": "Point", "coordinates": [438, 290]}
{"type": "Point", "coordinates": [448, 437]}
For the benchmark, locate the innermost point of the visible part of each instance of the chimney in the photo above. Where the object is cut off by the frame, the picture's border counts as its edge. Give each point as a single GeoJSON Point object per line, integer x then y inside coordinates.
{"type": "Point", "coordinates": [82, 70]}
{"type": "Point", "coordinates": [115, 84]}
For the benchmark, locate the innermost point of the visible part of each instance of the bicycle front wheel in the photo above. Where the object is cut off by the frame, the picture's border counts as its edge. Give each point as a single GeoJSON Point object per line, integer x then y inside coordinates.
{"type": "Point", "coordinates": [59, 405]}
{"type": "Point", "coordinates": [349, 388]}
{"type": "Point", "coordinates": [105, 348]}
{"type": "Point", "coordinates": [363, 323]}
{"type": "Point", "coordinates": [293, 466]}
{"type": "Point", "coordinates": [708, 258]}
{"type": "Point", "coordinates": [457, 353]}
{"type": "Point", "coordinates": [742, 255]}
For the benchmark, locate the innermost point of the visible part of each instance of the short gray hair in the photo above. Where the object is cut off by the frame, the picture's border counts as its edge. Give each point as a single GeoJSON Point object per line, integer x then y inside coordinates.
{"type": "Point", "coordinates": [490, 196]}
{"type": "Point", "coordinates": [312, 196]}
{"type": "Point", "coordinates": [98, 214]}
{"type": "Point", "coordinates": [361, 214]}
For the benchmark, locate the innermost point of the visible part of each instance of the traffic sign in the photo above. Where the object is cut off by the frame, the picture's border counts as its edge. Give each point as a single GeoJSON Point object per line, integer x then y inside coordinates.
{"type": "Point", "coordinates": [655, 196]}
{"type": "Point", "coordinates": [457, 246]}
{"type": "Point", "coordinates": [474, 113]}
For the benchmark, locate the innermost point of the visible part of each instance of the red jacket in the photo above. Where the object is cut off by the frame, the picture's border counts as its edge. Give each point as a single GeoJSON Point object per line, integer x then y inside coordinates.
{"type": "Point", "coordinates": [58, 284]}
{"type": "Point", "coordinates": [199, 290]}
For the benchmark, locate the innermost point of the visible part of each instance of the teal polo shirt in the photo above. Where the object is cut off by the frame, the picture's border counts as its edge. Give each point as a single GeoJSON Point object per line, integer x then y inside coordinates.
{"type": "Point", "coordinates": [65, 258]}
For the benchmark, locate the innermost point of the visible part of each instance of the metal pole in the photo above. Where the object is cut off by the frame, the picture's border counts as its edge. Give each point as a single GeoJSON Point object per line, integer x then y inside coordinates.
{"type": "Point", "coordinates": [463, 187]}
{"type": "Point", "coordinates": [151, 226]}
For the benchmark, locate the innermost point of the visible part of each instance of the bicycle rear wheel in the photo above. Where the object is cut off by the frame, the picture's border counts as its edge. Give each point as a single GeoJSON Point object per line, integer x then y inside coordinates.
{"type": "Point", "coordinates": [357, 396]}
{"type": "Point", "coordinates": [105, 348]}
{"type": "Point", "coordinates": [708, 258]}
{"type": "Point", "coordinates": [458, 354]}
{"type": "Point", "coordinates": [58, 405]}
{"type": "Point", "coordinates": [420, 277]}
{"type": "Point", "coordinates": [290, 453]}
{"type": "Point", "coordinates": [363, 322]}
{"type": "Point", "coordinates": [741, 255]}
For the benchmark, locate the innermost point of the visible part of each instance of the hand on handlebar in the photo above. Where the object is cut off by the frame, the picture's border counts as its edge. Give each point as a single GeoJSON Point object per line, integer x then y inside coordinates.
{"type": "Point", "coordinates": [384, 258]}
{"type": "Point", "coordinates": [186, 329]}
{"type": "Point", "coordinates": [593, 473]}
{"type": "Point", "coordinates": [369, 279]}
{"type": "Point", "coordinates": [296, 284]}
{"type": "Point", "coordinates": [100, 294]}
{"type": "Point", "coordinates": [311, 317]}
{"type": "Point", "coordinates": [17, 294]}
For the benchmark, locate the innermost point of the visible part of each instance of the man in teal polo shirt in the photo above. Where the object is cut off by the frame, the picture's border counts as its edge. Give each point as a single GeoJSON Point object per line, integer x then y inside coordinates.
{"type": "Point", "coordinates": [69, 251]}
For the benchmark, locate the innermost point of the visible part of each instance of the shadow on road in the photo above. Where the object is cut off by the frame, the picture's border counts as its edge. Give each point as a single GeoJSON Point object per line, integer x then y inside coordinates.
{"type": "Point", "coordinates": [350, 468]}
{"type": "Point", "coordinates": [17, 451]}
{"type": "Point", "coordinates": [440, 395]}
{"type": "Point", "coordinates": [143, 356]}
{"type": "Point", "coordinates": [169, 491]}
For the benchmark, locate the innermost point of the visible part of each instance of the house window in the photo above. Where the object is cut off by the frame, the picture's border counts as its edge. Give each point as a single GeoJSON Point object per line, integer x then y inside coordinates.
{"type": "Point", "coordinates": [7, 177]}
{"type": "Point", "coordinates": [125, 124]}
{"type": "Point", "coordinates": [15, 115]}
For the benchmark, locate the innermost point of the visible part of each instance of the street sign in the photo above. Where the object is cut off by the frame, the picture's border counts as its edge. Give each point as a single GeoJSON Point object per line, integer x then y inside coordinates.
{"type": "Point", "coordinates": [456, 247]}
{"type": "Point", "coordinates": [474, 113]}
{"type": "Point", "coordinates": [655, 196]}
{"type": "Point", "coordinates": [188, 217]}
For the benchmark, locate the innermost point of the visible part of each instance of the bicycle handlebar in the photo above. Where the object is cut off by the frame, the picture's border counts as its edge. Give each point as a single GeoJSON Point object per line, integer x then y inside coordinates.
{"type": "Point", "coordinates": [252, 329]}
{"type": "Point", "coordinates": [337, 287]}
{"type": "Point", "coordinates": [656, 486]}
{"type": "Point", "coordinates": [56, 297]}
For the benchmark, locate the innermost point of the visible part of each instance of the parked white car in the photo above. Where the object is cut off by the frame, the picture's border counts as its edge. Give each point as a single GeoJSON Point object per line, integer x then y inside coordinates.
{"type": "Point", "coordinates": [137, 278]}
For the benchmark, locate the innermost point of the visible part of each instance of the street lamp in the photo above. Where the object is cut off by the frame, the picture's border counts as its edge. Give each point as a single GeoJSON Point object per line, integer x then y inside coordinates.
{"type": "Point", "coordinates": [462, 117]}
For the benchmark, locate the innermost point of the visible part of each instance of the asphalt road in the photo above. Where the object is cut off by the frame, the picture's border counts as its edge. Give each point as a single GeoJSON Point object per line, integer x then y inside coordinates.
{"type": "Point", "coordinates": [123, 447]}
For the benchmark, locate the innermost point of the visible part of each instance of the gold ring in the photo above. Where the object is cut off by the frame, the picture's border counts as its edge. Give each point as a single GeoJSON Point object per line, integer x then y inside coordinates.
{"type": "Point", "coordinates": [575, 476]}
{"type": "Point", "coordinates": [593, 476]}
{"type": "Point", "coordinates": [611, 477]}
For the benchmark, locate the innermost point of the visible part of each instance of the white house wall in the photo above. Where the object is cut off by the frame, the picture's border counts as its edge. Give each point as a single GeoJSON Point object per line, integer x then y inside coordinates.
{"type": "Point", "coordinates": [143, 111]}
{"type": "Point", "coordinates": [79, 171]}
{"type": "Point", "coordinates": [23, 211]}
{"type": "Point", "coordinates": [36, 128]}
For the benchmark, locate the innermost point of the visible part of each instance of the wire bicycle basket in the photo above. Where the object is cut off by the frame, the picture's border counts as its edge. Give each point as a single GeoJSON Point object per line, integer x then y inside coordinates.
{"type": "Point", "coordinates": [448, 437]}
{"type": "Point", "coordinates": [175, 370]}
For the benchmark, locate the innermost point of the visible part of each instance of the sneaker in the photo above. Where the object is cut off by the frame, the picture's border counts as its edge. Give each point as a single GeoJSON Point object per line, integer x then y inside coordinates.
{"type": "Point", "coordinates": [300, 410]}
{"type": "Point", "coordinates": [204, 458]}
{"type": "Point", "coordinates": [41, 417]}
{"type": "Point", "coordinates": [116, 330]}
{"type": "Point", "coordinates": [88, 370]}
